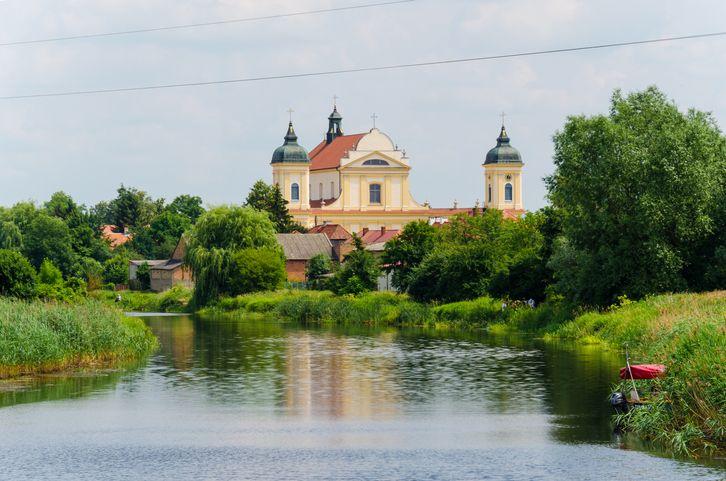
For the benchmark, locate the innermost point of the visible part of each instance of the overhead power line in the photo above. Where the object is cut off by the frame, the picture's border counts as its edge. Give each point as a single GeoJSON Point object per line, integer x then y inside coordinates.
{"type": "Point", "coordinates": [365, 69]}
{"type": "Point", "coordinates": [205, 24]}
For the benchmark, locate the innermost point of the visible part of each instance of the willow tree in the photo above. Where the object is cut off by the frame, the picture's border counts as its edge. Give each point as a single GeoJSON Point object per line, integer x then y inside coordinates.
{"type": "Point", "coordinates": [214, 245]}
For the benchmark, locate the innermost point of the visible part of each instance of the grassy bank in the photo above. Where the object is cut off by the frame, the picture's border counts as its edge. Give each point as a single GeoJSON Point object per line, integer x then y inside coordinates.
{"type": "Point", "coordinates": [175, 299]}
{"type": "Point", "coordinates": [37, 337]}
{"type": "Point", "coordinates": [687, 333]}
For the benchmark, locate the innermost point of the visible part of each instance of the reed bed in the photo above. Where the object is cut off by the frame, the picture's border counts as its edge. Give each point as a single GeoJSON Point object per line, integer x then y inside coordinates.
{"type": "Point", "coordinates": [37, 337]}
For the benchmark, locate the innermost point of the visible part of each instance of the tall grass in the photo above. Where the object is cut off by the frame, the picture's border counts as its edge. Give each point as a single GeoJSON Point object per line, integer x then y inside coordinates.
{"type": "Point", "coordinates": [42, 337]}
{"type": "Point", "coordinates": [687, 333]}
{"type": "Point", "coordinates": [176, 299]}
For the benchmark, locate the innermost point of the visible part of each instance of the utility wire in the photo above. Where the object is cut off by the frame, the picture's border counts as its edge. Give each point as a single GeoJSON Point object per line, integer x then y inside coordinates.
{"type": "Point", "coordinates": [366, 69]}
{"type": "Point", "coordinates": [206, 24]}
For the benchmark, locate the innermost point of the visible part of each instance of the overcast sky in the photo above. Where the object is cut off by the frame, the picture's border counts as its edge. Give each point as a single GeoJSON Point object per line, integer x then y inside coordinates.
{"type": "Point", "coordinates": [215, 141]}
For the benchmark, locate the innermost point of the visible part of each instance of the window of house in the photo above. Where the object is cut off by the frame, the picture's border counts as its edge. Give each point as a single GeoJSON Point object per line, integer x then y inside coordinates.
{"type": "Point", "coordinates": [375, 162]}
{"type": "Point", "coordinates": [295, 192]}
{"type": "Point", "coordinates": [508, 192]}
{"type": "Point", "coordinates": [374, 191]}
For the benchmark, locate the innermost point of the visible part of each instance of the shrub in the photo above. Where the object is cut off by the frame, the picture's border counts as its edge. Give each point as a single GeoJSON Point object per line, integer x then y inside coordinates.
{"type": "Point", "coordinates": [143, 275]}
{"type": "Point", "coordinates": [116, 269]}
{"type": "Point", "coordinates": [17, 276]}
{"type": "Point", "coordinates": [256, 270]}
{"type": "Point", "coordinates": [49, 273]}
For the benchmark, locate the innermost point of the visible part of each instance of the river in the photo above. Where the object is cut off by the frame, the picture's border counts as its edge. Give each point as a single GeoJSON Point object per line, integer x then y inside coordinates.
{"type": "Point", "coordinates": [250, 399]}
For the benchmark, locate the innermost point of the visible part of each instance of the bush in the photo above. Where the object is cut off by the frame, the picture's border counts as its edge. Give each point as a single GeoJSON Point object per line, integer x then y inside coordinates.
{"type": "Point", "coordinates": [17, 276]}
{"type": "Point", "coordinates": [143, 275]}
{"type": "Point", "coordinates": [255, 270]}
{"type": "Point", "coordinates": [49, 273]}
{"type": "Point", "coordinates": [116, 269]}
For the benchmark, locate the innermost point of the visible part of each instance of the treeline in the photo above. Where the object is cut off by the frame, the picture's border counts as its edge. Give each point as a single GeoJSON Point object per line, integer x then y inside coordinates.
{"type": "Point", "coordinates": [638, 207]}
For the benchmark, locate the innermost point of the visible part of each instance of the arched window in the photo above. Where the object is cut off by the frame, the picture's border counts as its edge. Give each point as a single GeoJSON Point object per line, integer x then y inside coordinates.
{"type": "Point", "coordinates": [375, 162]}
{"type": "Point", "coordinates": [508, 192]}
{"type": "Point", "coordinates": [320, 190]}
{"type": "Point", "coordinates": [374, 191]}
{"type": "Point", "coordinates": [490, 193]}
{"type": "Point", "coordinates": [295, 192]}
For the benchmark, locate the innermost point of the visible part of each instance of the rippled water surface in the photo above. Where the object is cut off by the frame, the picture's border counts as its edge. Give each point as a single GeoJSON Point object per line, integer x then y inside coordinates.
{"type": "Point", "coordinates": [227, 399]}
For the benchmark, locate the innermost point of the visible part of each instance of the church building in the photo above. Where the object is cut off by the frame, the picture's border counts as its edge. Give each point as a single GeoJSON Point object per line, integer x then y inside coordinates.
{"type": "Point", "coordinates": [360, 181]}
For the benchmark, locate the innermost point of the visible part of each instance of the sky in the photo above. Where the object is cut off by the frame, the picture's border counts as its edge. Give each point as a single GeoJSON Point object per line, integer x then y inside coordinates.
{"type": "Point", "coordinates": [216, 141]}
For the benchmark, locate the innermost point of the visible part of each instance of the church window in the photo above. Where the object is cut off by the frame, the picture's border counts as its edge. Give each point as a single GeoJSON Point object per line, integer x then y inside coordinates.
{"type": "Point", "coordinates": [295, 192]}
{"type": "Point", "coordinates": [374, 191]}
{"type": "Point", "coordinates": [320, 190]}
{"type": "Point", "coordinates": [375, 162]}
{"type": "Point", "coordinates": [490, 193]}
{"type": "Point", "coordinates": [508, 192]}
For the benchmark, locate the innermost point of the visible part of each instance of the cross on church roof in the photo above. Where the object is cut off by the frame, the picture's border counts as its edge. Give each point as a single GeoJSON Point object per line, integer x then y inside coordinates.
{"type": "Point", "coordinates": [335, 101]}
{"type": "Point", "coordinates": [502, 115]}
{"type": "Point", "coordinates": [374, 117]}
{"type": "Point", "coordinates": [290, 112]}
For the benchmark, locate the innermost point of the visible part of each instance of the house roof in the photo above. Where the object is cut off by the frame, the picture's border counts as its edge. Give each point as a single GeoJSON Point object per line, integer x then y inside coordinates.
{"type": "Point", "coordinates": [304, 246]}
{"type": "Point", "coordinates": [333, 231]}
{"type": "Point", "coordinates": [114, 238]}
{"type": "Point", "coordinates": [327, 155]}
{"type": "Point", "coordinates": [377, 236]}
{"type": "Point", "coordinates": [169, 265]}
{"type": "Point", "coordinates": [152, 263]}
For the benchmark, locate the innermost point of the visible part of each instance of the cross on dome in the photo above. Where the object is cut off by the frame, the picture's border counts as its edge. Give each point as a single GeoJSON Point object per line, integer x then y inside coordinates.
{"type": "Point", "coordinates": [374, 117]}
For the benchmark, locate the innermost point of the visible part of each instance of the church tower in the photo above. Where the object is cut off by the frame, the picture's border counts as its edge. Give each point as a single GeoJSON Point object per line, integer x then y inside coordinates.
{"type": "Point", "coordinates": [291, 171]}
{"type": "Point", "coordinates": [503, 176]}
{"type": "Point", "coordinates": [335, 125]}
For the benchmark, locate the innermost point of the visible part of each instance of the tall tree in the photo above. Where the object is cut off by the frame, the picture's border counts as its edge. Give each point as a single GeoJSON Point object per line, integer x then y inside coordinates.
{"type": "Point", "coordinates": [406, 251]}
{"type": "Point", "coordinates": [215, 247]}
{"type": "Point", "coordinates": [268, 198]}
{"type": "Point", "coordinates": [189, 206]}
{"type": "Point", "coordinates": [133, 207]}
{"type": "Point", "coordinates": [640, 189]}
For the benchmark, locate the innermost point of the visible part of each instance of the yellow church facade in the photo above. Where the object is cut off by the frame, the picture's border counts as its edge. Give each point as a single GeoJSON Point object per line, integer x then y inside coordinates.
{"type": "Point", "coordinates": [362, 181]}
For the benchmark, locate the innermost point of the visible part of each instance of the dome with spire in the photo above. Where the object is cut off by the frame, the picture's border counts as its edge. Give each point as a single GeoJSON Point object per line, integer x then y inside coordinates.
{"type": "Point", "coordinates": [503, 153]}
{"type": "Point", "coordinates": [290, 151]}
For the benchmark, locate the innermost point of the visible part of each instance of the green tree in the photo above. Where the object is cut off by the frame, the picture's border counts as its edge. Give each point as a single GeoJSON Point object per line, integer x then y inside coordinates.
{"type": "Point", "coordinates": [10, 236]}
{"type": "Point", "coordinates": [143, 275]}
{"type": "Point", "coordinates": [216, 238]}
{"type": "Point", "coordinates": [318, 266]}
{"type": "Point", "coordinates": [189, 206]}
{"type": "Point", "coordinates": [406, 251]}
{"type": "Point", "coordinates": [133, 207]}
{"type": "Point", "coordinates": [49, 273]}
{"type": "Point", "coordinates": [359, 272]}
{"type": "Point", "coordinates": [640, 190]}
{"type": "Point", "coordinates": [261, 269]}
{"type": "Point", "coordinates": [17, 276]}
{"type": "Point", "coordinates": [269, 198]}
{"type": "Point", "coordinates": [116, 269]}
{"type": "Point", "coordinates": [61, 205]}
{"type": "Point", "coordinates": [49, 238]}
{"type": "Point", "coordinates": [158, 239]}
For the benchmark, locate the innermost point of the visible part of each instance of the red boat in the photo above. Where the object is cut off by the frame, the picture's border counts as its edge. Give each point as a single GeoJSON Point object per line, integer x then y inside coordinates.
{"type": "Point", "coordinates": [642, 371]}
{"type": "Point", "coordinates": [619, 400]}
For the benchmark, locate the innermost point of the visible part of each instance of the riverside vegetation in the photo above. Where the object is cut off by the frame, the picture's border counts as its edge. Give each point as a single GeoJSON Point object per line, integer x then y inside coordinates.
{"type": "Point", "coordinates": [38, 337]}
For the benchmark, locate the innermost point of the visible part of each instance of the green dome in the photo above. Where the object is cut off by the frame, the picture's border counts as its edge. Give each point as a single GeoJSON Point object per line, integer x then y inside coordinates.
{"type": "Point", "coordinates": [503, 153]}
{"type": "Point", "coordinates": [290, 151]}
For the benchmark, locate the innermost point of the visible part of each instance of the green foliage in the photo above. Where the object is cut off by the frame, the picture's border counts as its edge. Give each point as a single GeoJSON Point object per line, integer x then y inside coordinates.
{"type": "Point", "coordinates": [49, 238]}
{"type": "Point", "coordinates": [49, 273]}
{"type": "Point", "coordinates": [176, 299]}
{"type": "Point", "coordinates": [686, 332]}
{"type": "Point", "coordinates": [189, 206]}
{"type": "Point", "coordinates": [216, 238]}
{"type": "Point", "coordinates": [261, 269]}
{"type": "Point", "coordinates": [143, 275]}
{"type": "Point", "coordinates": [17, 276]}
{"type": "Point", "coordinates": [642, 192]}
{"type": "Point", "coordinates": [62, 206]}
{"type": "Point", "coordinates": [269, 199]}
{"type": "Point", "coordinates": [158, 239]}
{"type": "Point", "coordinates": [406, 252]}
{"type": "Point", "coordinates": [359, 272]}
{"type": "Point", "coordinates": [10, 236]}
{"type": "Point", "coordinates": [132, 208]}
{"type": "Point", "coordinates": [318, 267]}
{"type": "Point", "coordinates": [39, 337]}
{"type": "Point", "coordinates": [116, 269]}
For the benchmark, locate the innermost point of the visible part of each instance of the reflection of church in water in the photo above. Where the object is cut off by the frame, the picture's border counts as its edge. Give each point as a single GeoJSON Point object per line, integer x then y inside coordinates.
{"type": "Point", "coordinates": [361, 180]}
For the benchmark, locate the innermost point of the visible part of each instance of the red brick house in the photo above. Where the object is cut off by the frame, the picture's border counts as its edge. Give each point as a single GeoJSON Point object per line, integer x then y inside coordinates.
{"type": "Point", "coordinates": [299, 249]}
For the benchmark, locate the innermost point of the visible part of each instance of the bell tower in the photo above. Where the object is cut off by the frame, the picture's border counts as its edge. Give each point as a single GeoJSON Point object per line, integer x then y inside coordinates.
{"type": "Point", "coordinates": [503, 175]}
{"type": "Point", "coordinates": [291, 171]}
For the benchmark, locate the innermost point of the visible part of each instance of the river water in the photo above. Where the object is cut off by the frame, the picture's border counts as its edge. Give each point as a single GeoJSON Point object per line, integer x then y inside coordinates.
{"type": "Point", "coordinates": [247, 399]}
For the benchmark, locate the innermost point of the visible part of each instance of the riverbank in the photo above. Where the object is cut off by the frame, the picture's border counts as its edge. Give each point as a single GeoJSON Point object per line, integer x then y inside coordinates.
{"type": "Point", "coordinates": [38, 337]}
{"type": "Point", "coordinates": [686, 332]}
{"type": "Point", "coordinates": [174, 300]}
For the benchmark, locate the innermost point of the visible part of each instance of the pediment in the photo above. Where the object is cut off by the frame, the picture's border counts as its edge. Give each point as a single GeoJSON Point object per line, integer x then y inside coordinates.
{"type": "Point", "coordinates": [370, 161]}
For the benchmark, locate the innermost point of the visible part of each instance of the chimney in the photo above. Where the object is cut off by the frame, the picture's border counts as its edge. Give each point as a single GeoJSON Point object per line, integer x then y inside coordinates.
{"type": "Point", "coordinates": [365, 230]}
{"type": "Point", "coordinates": [383, 229]}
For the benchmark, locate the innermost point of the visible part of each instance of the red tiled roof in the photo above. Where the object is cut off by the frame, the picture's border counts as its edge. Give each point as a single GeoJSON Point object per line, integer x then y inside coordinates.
{"type": "Point", "coordinates": [114, 238]}
{"type": "Point", "coordinates": [377, 236]}
{"type": "Point", "coordinates": [327, 156]}
{"type": "Point", "coordinates": [333, 231]}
